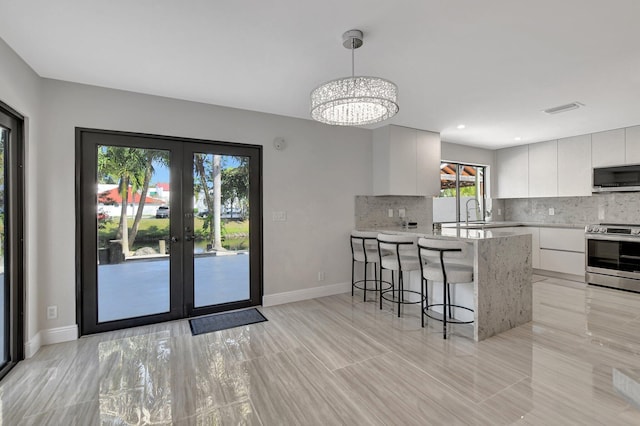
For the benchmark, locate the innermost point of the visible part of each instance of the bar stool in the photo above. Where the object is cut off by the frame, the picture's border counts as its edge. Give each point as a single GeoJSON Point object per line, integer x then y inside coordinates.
{"type": "Point", "coordinates": [447, 272]}
{"type": "Point", "coordinates": [364, 249]}
{"type": "Point", "coordinates": [398, 254]}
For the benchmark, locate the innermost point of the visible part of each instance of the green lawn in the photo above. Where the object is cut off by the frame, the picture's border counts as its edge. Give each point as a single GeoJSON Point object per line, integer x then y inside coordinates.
{"type": "Point", "coordinates": [152, 229]}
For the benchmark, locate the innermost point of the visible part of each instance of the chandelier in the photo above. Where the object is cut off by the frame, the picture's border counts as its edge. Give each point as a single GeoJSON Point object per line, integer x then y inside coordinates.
{"type": "Point", "coordinates": [355, 100]}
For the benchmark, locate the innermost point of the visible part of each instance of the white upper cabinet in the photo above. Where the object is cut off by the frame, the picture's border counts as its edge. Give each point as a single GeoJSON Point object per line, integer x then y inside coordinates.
{"type": "Point", "coordinates": [428, 157]}
{"type": "Point", "coordinates": [405, 161]}
{"type": "Point", "coordinates": [574, 166]}
{"type": "Point", "coordinates": [513, 172]}
{"type": "Point", "coordinates": [632, 145]}
{"type": "Point", "coordinates": [543, 169]}
{"type": "Point", "coordinates": [608, 148]}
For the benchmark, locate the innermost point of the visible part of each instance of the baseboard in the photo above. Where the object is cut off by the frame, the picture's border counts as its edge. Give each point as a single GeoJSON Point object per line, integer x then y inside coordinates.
{"type": "Point", "coordinates": [561, 275]}
{"type": "Point", "coordinates": [49, 337]}
{"type": "Point", "coordinates": [305, 294]}
{"type": "Point", "coordinates": [32, 346]}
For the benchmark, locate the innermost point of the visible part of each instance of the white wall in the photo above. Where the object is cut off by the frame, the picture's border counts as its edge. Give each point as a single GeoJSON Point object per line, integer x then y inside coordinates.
{"type": "Point", "coordinates": [315, 180]}
{"type": "Point", "coordinates": [20, 89]}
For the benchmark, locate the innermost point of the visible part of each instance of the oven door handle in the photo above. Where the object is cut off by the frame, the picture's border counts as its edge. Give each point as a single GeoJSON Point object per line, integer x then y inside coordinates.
{"type": "Point", "coordinates": [612, 237]}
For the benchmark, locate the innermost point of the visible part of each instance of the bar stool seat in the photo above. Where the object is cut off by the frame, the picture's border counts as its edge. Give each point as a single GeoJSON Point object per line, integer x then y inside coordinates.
{"type": "Point", "coordinates": [398, 254]}
{"type": "Point", "coordinates": [443, 269]}
{"type": "Point", "coordinates": [364, 249]}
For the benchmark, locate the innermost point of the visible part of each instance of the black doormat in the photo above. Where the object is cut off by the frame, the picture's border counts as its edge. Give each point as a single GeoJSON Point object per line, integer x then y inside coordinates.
{"type": "Point", "coordinates": [224, 321]}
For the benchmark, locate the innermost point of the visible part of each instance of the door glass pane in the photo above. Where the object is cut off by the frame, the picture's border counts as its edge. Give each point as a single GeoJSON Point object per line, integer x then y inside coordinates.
{"type": "Point", "coordinates": [132, 227]}
{"type": "Point", "coordinates": [220, 228]}
{"type": "Point", "coordinates": [4, 291]}
{"type": "Point", "coordinates": [444, 206]}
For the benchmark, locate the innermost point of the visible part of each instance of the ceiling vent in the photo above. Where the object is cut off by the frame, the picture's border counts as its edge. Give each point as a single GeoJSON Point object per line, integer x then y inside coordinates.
{"type": "Point", "coordinates": [563, 108]}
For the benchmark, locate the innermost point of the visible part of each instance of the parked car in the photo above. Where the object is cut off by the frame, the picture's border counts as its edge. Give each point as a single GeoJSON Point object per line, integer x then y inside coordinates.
{"type": "Point", "coordinates": [203, 213]}
{"type": "Point", "coordinates": [162, 212]}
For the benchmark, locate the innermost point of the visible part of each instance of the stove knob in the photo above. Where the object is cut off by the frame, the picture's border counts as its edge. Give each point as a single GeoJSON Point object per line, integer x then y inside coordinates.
{"type": "Point", "coordinates": [590, 228]}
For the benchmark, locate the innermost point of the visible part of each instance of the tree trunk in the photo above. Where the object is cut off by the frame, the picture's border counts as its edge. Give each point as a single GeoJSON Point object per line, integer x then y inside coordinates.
{"type": "Point", "coordinates": [143, 197]}
{"type": "Point", "coordinates": [217, 201]}
{"type": "Point", "coordinates": [207, 197]}
{"type": "Point", "coordinates": [124, 227]}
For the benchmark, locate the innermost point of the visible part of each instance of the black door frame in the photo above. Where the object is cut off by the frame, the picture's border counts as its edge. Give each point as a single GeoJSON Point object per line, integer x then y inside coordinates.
{"type": "Point", "coordinates": [14, 231]}
{"type": "Point", "coordinates": [181, 299]}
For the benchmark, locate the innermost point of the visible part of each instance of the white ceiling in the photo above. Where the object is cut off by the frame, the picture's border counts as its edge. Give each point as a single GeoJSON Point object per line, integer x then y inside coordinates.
{"type": "Point", "coordinates": [491, 64]}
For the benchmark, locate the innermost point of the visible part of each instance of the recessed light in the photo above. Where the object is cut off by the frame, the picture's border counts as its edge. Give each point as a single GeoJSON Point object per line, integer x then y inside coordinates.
{"type": "Point", "coordinates": [461, 126]}
{"type": "Point", "coordinates": [517, 138]}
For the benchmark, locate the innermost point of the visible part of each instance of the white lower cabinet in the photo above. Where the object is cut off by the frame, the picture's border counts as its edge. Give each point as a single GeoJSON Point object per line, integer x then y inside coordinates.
{"type": "Point", "coordinates": [566, 262]}
{"type": "Point", "coordinates": [554, 249]}
{"type": "Point", "coordinates": [562, 250]}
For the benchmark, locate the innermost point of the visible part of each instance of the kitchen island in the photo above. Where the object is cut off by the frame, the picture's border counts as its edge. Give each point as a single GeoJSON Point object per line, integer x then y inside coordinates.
{"type": "Point", "coordinates": [502, 292]}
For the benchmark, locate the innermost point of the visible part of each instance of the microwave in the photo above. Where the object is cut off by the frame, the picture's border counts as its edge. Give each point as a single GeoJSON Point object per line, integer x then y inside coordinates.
{"type": "Point", "coordinates": [617, 178]}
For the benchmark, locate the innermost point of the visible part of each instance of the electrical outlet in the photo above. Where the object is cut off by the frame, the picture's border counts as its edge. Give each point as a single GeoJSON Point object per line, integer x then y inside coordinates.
{"type": "Point", "coordinates": [321, 276]}
{"type": "Point", "coordinates": [52, 312]}
{"type": "Point", "coordinates": [551, 211]}
{"type": "Point", "coordinates": [401, 212]}
{"type": "Point", "coordinates": [390, 212]}
{"type": "Point", "coordinates": [499, 212]}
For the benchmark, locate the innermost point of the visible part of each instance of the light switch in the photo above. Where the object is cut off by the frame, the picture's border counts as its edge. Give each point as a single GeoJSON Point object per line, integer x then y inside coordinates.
{"type": "Point", "coordinates": [401, 212]}
{"type": "Point", "coordinates": [551, 211]}
{"type": "Point", "coordinates": [279, 216]}
{"type": "Point", "coordinates": [390, 212]}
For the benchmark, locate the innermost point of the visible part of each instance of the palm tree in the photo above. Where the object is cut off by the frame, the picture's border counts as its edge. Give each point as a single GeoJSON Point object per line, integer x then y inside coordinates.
{"type": "Point", "coordinates": [128, 167]}
{"type": "Point", "coordinates": [152, 156]}
{"type": "Point", "coordinates": [208, 173]}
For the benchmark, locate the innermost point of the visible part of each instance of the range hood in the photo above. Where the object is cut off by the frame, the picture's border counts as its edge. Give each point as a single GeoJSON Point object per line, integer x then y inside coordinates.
{"type": "Point", "coordinates": [618, 178]}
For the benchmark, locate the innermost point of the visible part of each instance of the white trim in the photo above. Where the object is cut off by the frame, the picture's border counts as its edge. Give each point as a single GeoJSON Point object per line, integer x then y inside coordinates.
{"type": "Point", "coordinates": [32, 346]}
{"type": "Point", "coordinates": [305, 294]}
{"type": "Point", "coordinates": [59, 335]}
{"type": "Point", "coordinates": [49, 337]}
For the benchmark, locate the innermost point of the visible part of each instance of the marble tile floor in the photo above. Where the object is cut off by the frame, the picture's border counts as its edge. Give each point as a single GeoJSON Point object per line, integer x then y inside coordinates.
{"type": "Point", "coordinates": [338, 360]}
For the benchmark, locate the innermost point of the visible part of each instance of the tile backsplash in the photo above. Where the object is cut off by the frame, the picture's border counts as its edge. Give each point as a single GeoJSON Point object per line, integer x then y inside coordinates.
{"type": "Point", "coordinates": [619, 207]}
{"type": "Point", "coordinates": [373, 211]}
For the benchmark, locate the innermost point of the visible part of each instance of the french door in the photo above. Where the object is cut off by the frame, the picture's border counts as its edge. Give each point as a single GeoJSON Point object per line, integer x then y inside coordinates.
{"type": "Point", "coordinates": [167, 228]}
{"type": "Point", "coordinates": [11, 239]}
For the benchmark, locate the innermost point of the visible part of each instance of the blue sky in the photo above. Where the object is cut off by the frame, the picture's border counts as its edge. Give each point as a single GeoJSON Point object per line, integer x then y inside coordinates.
{"type": "Point", "coordinates": [161, 174]}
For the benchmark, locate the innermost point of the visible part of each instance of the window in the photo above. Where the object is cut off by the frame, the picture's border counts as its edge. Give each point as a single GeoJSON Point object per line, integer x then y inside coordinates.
{"type": "Point", "coordinates": [462, 192]}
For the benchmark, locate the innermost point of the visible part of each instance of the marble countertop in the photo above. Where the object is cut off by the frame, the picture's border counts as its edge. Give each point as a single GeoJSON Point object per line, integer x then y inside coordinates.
{"type": "Point", "coordinates": [487, 225]}
{"type": "Point", "coordinates": [447, 233]}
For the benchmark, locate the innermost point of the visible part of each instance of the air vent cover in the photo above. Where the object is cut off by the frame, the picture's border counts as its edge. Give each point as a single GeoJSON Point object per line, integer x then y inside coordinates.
{"type": "Point", "coordinates": [563, 108]}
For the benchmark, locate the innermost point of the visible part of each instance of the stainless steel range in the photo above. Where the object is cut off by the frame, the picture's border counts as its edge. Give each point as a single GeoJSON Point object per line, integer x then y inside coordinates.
{"type": "Point", "coordinates": [613, 255]}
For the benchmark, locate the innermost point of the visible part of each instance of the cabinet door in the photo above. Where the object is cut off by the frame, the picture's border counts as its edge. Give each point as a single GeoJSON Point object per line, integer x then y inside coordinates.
{"type": "Point", "coordinates": [513, 172]}
{"type": "Point", "coordinates": [566, 262]}
{"type": "Point", "coordinates": [608, 148]}
{"type": "Point", "coordinates": [428, 163]}
{"type": "Point", "coordinates": [402, 166]}
{"type": "Point", "coordinates": [632, 145]}
{"type": "Point", "coordinates": [566, 239]}
{"type": "Point", "coordinates": [543, 169]}
{"type": "Point", "coordinates": [574, 166]}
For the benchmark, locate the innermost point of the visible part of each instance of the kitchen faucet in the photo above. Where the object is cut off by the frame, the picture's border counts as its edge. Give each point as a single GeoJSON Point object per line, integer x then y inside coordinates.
{"type": "Point", "coordinates": [467, 209]}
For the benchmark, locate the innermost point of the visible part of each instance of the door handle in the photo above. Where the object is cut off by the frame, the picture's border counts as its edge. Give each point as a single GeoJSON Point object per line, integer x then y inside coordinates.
{"type": "Point", "coordinates": [189, 237]}
{"type": "Point", "coordinates": [175, 239]}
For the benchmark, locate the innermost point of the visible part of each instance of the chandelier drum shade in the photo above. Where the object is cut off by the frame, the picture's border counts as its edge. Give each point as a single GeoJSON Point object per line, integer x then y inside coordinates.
{"type": "Point", "coordinates": [355, 100]}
